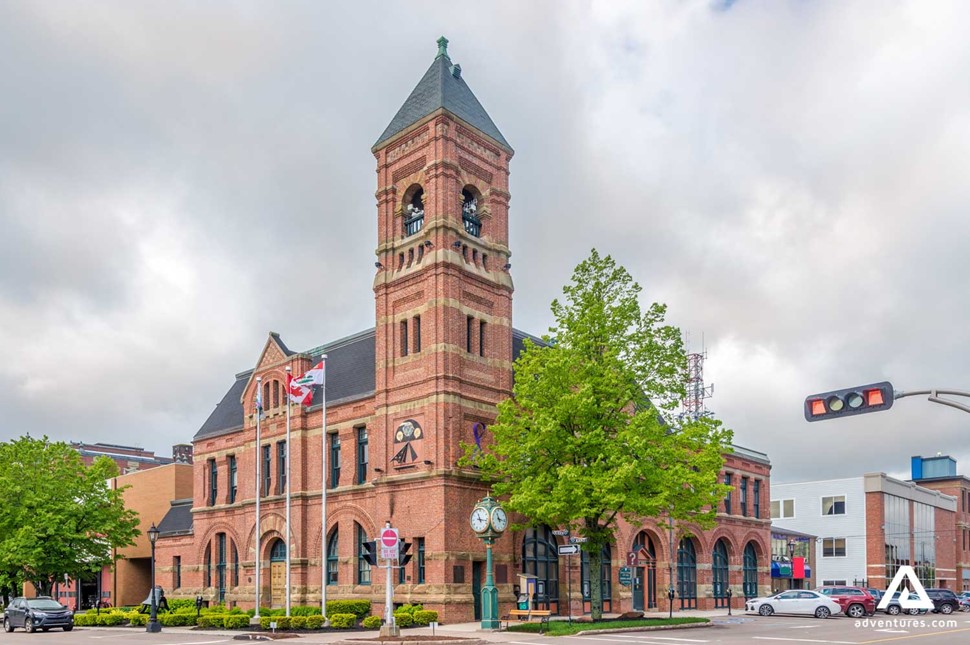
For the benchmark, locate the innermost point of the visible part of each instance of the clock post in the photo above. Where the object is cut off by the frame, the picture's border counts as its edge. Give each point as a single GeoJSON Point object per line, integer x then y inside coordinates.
{"type": "Point", "coordinates": [489, 521]}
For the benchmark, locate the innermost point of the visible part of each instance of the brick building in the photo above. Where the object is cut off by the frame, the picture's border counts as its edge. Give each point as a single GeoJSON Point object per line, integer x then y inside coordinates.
{"type": "Point", "coordinates": [940, 474]}
{"type": "Point", "coordinates": [401, 397]}
{"type": "Point", "coordinates": [130, 458]}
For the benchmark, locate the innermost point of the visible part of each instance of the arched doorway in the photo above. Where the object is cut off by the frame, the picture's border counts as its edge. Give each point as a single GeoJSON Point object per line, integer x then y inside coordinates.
{"type": "Point", "coordinates": [606, 575]}
{"type": "Point", "coordinates": [749, 568]}
{"type": "Point", "coordinates": [540, 557]}
{"type": "Point", "coordinates": [687, 574]}
{"type": "Point", "coordinates": [719, 567]}
{"type": "Point", "coordinates": [645, 575]}
{"type": "Point", "coordinates": [277, 575]}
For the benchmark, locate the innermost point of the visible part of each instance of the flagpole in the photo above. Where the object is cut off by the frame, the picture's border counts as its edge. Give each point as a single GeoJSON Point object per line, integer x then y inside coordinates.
{"type": "Point", "coordinates": [287, 399]}
{"type": "Point", "coordinates": [323, 480]}
{"type": "Point", "coordinates": [259, 413]}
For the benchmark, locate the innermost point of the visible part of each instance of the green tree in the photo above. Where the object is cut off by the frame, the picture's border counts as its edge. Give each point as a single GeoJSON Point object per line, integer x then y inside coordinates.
{"type": "Point", "coordinates": [58, 516]}
{"type": "Point", "coordinates": [589, 434]}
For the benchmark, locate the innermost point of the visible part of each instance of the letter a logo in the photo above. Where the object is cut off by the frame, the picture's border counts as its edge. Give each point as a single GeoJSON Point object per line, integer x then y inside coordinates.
{"type": "Point", "coordinates": [905, 600]}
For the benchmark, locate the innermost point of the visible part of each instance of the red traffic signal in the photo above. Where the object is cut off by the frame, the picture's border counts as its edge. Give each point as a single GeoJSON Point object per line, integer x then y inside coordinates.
{"type": "Point", "coordinates": [369, 552]}
{"type": "Point", "coordinates": [849, 401]}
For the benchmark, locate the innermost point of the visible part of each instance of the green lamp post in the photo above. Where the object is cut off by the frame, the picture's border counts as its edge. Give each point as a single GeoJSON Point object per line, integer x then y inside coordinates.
{"type": "Point", "coordinates": [489, 521]}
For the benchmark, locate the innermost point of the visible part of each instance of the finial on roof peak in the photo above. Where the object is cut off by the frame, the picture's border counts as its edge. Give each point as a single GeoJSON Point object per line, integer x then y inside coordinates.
{"type": "Point", "coordinates": [442, 47]}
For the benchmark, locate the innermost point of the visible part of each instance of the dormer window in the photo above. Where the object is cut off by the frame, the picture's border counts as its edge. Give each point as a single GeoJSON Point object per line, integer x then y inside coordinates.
{"type": "Point", "coordinates": [469, 213]}
{"type": "Point", "coordinates": [414, 213]}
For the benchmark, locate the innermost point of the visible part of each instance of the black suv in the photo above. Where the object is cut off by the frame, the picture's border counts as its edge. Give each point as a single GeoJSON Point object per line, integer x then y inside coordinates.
{"type": "Point", "coordinates": [944, 600]}
{"type": "Point", "coordinates": [42, 612]}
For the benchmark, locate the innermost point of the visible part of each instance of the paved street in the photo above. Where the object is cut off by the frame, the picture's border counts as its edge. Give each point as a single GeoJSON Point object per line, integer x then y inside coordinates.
{"type": "Point", "coordinates": [738, 629]}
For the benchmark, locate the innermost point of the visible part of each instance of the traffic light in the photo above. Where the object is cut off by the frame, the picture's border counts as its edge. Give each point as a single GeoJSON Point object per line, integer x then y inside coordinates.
{"type": "Point", "coordinates": [402, 552]}
{"type": "Point", "coordinates": [369, 552]}
{"type": "Point", "coordinates": [849, 401]}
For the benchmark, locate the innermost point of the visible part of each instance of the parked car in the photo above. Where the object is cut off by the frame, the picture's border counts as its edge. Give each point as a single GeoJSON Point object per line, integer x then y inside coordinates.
{"type": "Point", "coordinates": [894, 608]}
{"type": "Point", "coordinates": [944, 600]}
{"type": "Point", "coordinates": [32, 614]}
{"type": "Point", "coordinates": [794, 602]}
{"type": "Point", "coordinates": [964, 602]}
{"type": "Point", "coordinates": [876, 594]}
{"type": "Point", "coordinates": [855, 602]}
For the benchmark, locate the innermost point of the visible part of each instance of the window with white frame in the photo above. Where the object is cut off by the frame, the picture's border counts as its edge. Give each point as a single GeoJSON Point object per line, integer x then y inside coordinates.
{"type": "Point", "coordinates": [833, 547]}
{"type": "Point", "coordinates": [782, 509]}
{"type": "Point", "coordinates": [834, 505]}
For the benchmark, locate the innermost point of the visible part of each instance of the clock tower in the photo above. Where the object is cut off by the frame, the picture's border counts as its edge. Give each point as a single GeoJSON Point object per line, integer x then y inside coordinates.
{"type": "Point", "coordinates": [443, 291]}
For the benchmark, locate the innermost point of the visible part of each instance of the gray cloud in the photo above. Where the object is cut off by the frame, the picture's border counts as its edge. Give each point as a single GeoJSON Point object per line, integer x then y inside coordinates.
{"type": "Point", "coordinates": [178, 179]}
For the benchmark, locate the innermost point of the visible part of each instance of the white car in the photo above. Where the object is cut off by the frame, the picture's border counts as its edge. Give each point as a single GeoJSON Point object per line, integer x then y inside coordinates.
{"type": "Point", "coordinates": [796, 601]}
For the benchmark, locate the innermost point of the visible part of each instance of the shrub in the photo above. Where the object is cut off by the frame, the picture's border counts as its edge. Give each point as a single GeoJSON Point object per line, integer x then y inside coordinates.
{"type": "Point", "coordinates": [215, 609]}
{"type": "Point", "coordinates": [314, 621]}
{"type": "Point", "coordinates": [425, 617]}
{"type": "Point", "coordinates": [179, 619]}
{"type": "Point", "coordinates": [343, 621]}
{"type": "Point", "coordinates": [111, 619]}
{"type": "Point", "coordinates": [305, 610]}
{"type": "Point", "coordinates": [212, 620]}
{"type": "Point", "coordinates": [403, 619]}
{"type": "Point", "coordinates": [297, 622]}
{"type": "Point", "coordinates": [84, 620]}
{"type": "Point", "coordinates": [181, 603]}
{"type": "Point", "coordinates": [371, 622]}
{"type": "Point", "coordinates": [137, 620]}
{"type": "Point", "coordinates": [358, 608]}
{"type": "Point", "coordinates": [283, 622]}
{"type": "Point", "coordinates": [185, 610]}
{"type": "Point", "coordinates": [409, 609]}
{"type": "Point", "coordinates": [236, 621]}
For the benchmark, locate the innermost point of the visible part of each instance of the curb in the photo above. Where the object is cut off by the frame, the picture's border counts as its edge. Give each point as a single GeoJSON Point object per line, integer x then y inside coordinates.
{"type": "Point", "coordinates": [645, 628]}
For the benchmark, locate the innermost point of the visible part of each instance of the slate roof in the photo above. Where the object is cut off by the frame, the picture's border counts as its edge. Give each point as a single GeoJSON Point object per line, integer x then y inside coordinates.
{"type": "Point", "coordinates": [351, 365]}
{"type": "Point", "coordinates": [443, 87]}
{"type": "Point", "coordinates": [178, 520]}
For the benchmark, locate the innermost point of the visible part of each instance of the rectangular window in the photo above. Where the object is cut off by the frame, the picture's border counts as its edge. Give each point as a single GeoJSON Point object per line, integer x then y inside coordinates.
{"type": "Point", "coordinates": [233, 479]}
{"type": "Point", "coordinates": [727, 498]}
{"type": "Point", "coordinates": [280, 467]}
{"type": "Point", "coordinates": [419, 564]}
{"type": "Point", "coordinates": [833, 547]}
{"type": "Point", "coordinates": [417, 334]}
{"type": "Point", "coordinates": [363, 568]}
{"type": "Point", "coordinates": [334, 461]}
{"type": "Point", "coordinates": [361, 455]}
{"type": "Point", "coordinates": [468, 334]}
{"type": "Point", "coordinates": [782, 508]}
{"type": "Point", "coordinates": [744, 496]}
{"type": "Point", "coordinates": [267, 469]}
{"type": "Point", "coordinates": [177, 572]}
{"type": "Point", "coordinates": [213, 482]}
{"type": "Point", "coordinates": [481, 338]}
{"type": "Point", "coordinates": [404, 338]}
{"type": "Point", "coordinates": [757, 498]}
{"type": "Point", "coordinates": [834, 505]}
{"type": "Point", "coordinates": [221, 566]}
{"type": "Point", "coordinates": [832, 583]}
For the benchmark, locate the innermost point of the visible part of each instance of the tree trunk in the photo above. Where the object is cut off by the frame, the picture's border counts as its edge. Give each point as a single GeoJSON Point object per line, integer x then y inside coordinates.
{"type": "Point", "coordinates": [595, 581]}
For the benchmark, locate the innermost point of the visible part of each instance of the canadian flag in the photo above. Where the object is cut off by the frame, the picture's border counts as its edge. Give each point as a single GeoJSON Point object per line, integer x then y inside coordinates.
{"type": "Point", "coordinates": [298, 393]}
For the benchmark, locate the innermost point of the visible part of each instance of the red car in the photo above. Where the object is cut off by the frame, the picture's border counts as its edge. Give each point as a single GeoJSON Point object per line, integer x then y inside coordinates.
{"type": "Point", "coordinates": [856, 602]}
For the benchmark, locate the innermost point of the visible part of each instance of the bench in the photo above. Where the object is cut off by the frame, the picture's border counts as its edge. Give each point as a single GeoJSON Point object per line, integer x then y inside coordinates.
{"type": "Point", "coordinates": [527, 614]}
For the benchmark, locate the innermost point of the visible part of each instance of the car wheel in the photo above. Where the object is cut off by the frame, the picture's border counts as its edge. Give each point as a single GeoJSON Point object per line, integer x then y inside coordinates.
{"type": "Point", "coordinates": [855, 611]}
{"type": "Point", "coordinates": [766, 610]}
{"type": "Point", "coordinates": [893, 610]}
{"type": "Point", "coordinates": [946, 608]}
{"type": "Point", "coordinates": [913, 612]}
{"type": "Point", "coordinates": [822, 612]}
{"type": "Point", "coordinates": [7, 625]}
{"type": "Point", "coordinates": [29, 625]}
{"type": "Point", "coordinates": [68, 628]}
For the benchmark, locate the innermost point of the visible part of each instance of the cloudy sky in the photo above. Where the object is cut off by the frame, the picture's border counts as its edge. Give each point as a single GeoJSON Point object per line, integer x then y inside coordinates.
{"type": "Point", "coordinates": [178, 179]}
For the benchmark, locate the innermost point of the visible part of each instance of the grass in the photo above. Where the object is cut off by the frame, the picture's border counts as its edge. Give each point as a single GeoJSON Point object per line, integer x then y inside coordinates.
{"type": "Point", "coordinates": [565, 628]}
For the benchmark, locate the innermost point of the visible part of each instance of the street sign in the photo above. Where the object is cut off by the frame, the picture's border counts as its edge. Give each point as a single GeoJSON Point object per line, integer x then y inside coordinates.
{"type": "Point", "coordinates": [626, 576]}
{"type": "Point", "coordinates": [568, 549]}
{"type": "Point", "coordinates": [560, 532]}
{"type": "Point", "coordinates": [389, 543]}
{"type": "Point", "coordinates": [631, 558]}
{"type": "Point", "coordinates": [578, 540]}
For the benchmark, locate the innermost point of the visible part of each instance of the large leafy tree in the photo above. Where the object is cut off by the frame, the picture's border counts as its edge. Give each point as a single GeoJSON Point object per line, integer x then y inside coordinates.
{"type": "Point", "coordinates": [590, 433]}
{"type": "Point", "coordinates": [59, 515]}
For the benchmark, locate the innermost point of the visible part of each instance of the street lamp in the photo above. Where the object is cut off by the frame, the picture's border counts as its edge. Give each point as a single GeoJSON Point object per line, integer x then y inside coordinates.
{"type": "Point", "coordinates": [791, 562]}
{"type": "Point", "coordinates": [153, 625]}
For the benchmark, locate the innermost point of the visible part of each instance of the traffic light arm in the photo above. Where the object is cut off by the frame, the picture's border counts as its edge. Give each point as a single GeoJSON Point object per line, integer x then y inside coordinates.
{"type": "Point", "coordinates": [934, 396]}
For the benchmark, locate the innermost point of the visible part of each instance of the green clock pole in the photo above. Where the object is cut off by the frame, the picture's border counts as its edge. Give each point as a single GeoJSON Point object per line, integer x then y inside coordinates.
{"type": "Point", "coordinates": [489, 592]}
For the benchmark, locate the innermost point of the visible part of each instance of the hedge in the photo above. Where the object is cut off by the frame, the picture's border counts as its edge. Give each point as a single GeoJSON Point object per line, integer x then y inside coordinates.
{"type": "Point", "coordinates": [111, 619]}
{"type": "Point", "coordinates": [305, 610]}
{"type": "Point", "coordinates": [359, 608]}
{"type": "Point", "coordinates": [343, 621]}
{"type": "Point", "coordinates": [403, 619]}
{"type": "Point", "coordinates": [212, 620]}
{"type": "Point", "coordinates": [425, 617]}
{"type": "Point", "coordinates": [297, 622]}
{"type": "Point", "coordinates": [236, 621]}
{"type": "Point", "coordinates": [177, 620]}
{"type": "Point", "coordinates": [137, 620]}
{"type": "Point", "coordinates": [181, 603]}
{"type": "Point", "coordinates": [314, 621]}
{"type": "Point", "coordinates": [371, 622]}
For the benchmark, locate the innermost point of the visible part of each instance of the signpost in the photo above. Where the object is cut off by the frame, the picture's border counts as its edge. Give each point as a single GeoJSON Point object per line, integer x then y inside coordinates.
{"type": "Point", "coordinates": [389, 543]}
{"type": "Point", "coordinates": [568, 549]}
{"type": "Point", "coordinates": [560, 532]}
{"type": "Point", "coordinates": [578, 540]}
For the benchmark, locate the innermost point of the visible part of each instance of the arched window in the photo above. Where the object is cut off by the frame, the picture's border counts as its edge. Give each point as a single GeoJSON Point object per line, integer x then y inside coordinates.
{"type": "Point", "coordinates": [207, 559]}
{"type": "Point", "coordinates": [413, 210]}
{"type": "Point", "coordinates": [332, 558]}
{"type": "Point", "coordinates": [719, 567]}
{"type": "Point", "coordinates": [276, 394]}
{"type": "Point", "coordinates": [469, 212]}
{"type": "Point", "coordinates": [278, 552]}
{"type": "Point", "coordinates": [606, 576]}
{"type": "Point", "coordinates": [645, 580]}
{"type": "Point", "coordinates": [235, 564]}
{"type": "Point", "coordinates": [540, 557]}
{"type": "Point", "coordinates": [750, 569]}
{"type": "Point", "coordinates": [363, 568]}
{"type": "Point", "coordinates": [221, 567]}
{"type": "Point", "coordinates": [266, 395]}
{"type": "Point", "coordinates": [687, 574]}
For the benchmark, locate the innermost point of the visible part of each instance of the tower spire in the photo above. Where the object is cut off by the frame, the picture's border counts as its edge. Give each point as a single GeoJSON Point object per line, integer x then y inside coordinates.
{"type": "Point", "coordinates": [442, 48]}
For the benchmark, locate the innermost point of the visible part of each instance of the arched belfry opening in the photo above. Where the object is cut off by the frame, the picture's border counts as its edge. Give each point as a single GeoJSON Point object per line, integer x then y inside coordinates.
{"type": "Point", "coordinates": [470, 218]}
{"type": "Point", "coordinates": [413, 210]}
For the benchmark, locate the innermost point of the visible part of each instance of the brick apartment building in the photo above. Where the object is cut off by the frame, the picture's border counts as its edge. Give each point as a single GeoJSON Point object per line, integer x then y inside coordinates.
{"type": "Point", "coordinates": [940, 474]}
{"type": "Point", "coordinates": [401, 397]}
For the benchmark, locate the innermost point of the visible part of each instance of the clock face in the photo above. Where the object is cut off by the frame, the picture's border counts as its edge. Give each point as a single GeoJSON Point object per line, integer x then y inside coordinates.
{"type": "Point", "coordinates": [479, 520]}
{"type": "Point", "coordinates": [500, 520]}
